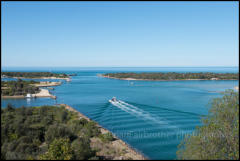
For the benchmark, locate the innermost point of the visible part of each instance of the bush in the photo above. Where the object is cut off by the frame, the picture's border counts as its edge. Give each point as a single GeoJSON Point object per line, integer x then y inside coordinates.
{"type": "Point", "coordinates": [107, 137]}
{"type": "Point", "coordinates": [91, 129]}
{"type": "Point", "coordinates": [58, 131]}
{"type": "Point", "coordinates": [60, 149]}
{"type": "Point", "coordinates": [46, 132]}
{"type": "Point", "coordinates": [82, 149]}
{"type": "Point", "coordinates": [218, 138]}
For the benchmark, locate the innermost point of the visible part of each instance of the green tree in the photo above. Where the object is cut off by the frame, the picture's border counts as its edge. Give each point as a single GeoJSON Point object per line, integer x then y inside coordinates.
{"type": "Point", "coordinates": [82, 149]}
{"type": "Point", "coordinates": [10, 107]}
{"type": "Point", "coordinates": [59, 149]}
{"type": "Point", "coordinates": [91, 129]}
{"type": "Point", "coordinates": [58, 131]}
{"type": "Point", "coordinates": [218, 138]}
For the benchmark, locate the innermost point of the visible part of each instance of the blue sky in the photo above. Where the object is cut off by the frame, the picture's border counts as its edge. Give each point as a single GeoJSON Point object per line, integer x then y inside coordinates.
{"type": "Point", "coordinates": [117, 34]}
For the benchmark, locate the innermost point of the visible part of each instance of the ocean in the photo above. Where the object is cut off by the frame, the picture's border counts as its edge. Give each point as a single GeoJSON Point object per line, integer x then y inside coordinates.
{"type": "Point", "coordinates": [152, 116]}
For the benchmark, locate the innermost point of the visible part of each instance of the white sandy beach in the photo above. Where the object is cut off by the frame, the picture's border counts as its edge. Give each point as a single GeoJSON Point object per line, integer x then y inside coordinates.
{"type": "Point", "coordinates": [42, 93]}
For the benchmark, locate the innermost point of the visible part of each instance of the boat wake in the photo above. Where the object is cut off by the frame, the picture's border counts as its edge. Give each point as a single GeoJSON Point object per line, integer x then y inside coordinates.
{"type": "Point", "coordinates": [133, 110]}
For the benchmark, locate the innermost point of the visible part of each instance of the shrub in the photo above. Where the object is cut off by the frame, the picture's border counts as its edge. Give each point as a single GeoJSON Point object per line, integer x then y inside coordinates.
{"type": "Point", "coordinates": [107, 137]}
{"type": "Point", "coordinates": [59, 149]}
{"type": "Point", "coordinates": [58, 131]}
{"type": "Point", "coordinates": [82, 149]}
{"type": "Point", "coordinates": [218, 138]}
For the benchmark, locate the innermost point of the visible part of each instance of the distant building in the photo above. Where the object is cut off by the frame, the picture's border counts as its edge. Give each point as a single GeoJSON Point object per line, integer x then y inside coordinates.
{"type": "Point", "coordinates": [214, 78]}
{"type": "Point", "coordinates": [236, 88]}
{"type": "Point", "coordinates": [28, 95]}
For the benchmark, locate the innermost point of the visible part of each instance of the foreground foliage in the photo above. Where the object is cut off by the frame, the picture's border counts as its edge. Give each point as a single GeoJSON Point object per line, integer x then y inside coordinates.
{"type": "Point", "coordinates": [46, 132]}
{"type": "Point", "coordinates": [218, 138]}
{"type": "Point", "coordinates": [175, 76]}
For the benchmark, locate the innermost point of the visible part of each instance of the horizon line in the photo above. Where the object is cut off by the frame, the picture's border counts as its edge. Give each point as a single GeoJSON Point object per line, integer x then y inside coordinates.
{"type": "Point", "coordinates": [124, 66]}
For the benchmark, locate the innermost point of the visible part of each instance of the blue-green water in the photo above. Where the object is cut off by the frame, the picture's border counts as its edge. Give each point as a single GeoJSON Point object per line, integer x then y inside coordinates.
{"type": "Point", "coordinates": [153, 115]}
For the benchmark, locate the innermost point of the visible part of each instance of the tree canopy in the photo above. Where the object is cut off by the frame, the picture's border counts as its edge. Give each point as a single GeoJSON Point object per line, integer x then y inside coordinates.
{"type": "Point", "coordinates": [47, 132]}
{"type": "Point", "coordinates": [19, 87]}
{"type": "Point", "coordinates": [218, 137]}
{"type": "Point", "coordinates": [175, 76]}
{"type": "Point", "coordinates": [34, 74]}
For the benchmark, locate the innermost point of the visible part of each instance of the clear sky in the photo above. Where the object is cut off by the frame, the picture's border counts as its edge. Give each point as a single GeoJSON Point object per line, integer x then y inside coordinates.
{"type": "Point", "coordinates": [116, 34]}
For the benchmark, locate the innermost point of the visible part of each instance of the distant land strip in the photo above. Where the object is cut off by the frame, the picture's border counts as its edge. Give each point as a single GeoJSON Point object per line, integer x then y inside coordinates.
{"type": "Point", "coordinates": [172, 76]}
{"type": "Point", "coordinates": [35, 75]}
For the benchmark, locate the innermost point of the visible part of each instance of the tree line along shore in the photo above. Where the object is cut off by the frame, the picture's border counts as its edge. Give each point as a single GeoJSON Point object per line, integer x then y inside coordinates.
{"type": "Point", "coordinates": [170, 76]}
{"type": "Point", "coordinates": [36, 75]}
{"type": "Point", "coordinates": [21, 88]}
{"type": "Point", "coordinates": [58, 133]}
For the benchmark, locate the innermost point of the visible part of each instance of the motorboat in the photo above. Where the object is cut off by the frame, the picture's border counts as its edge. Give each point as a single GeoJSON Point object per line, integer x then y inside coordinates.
{"type": "Point", "coordinates": [113, 100]}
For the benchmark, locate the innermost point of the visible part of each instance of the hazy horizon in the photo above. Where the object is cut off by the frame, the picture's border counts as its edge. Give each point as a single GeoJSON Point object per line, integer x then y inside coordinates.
{"type": "Point", "coordinates": [120, 66]}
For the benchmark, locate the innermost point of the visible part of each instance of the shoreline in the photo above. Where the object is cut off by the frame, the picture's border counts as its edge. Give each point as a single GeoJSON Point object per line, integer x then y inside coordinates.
{"type": "Point", "coordinates": [162, 79]}
{"type": "Point", "coordinates": [42, 93]}
{"type": "Point", "coordinates": [117, 142]}
{"type": "Point", "coordinates": [12, 97]}
{"type": "Point", "coordinates": [67, 79]}
{"type": "Point", "coordinates": [47, 84]}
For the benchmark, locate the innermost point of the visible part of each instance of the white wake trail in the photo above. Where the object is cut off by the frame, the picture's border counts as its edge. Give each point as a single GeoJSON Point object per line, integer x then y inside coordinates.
{"type": "Point", "coordinates": [143, 114]}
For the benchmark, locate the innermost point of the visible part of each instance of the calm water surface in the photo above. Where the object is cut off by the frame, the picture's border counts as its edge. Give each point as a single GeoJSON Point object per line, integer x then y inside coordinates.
{"type": "Point", "coordinates": [152, 117]}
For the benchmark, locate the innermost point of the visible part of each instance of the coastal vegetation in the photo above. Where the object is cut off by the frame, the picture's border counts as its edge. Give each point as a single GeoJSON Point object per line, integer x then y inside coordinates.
{"type": "Point", "coordinates": [34, 74]}
{"type": "Point", "coordinates": [19, 87]}
{"type": "Point", "coordinates": [46, 132]}
{"type": "Point", "coordinates": [53, 133]}
{"type": "Point", "coordinates": [218, 138]}
{"type": "Point", "coordinates": [174, 76]}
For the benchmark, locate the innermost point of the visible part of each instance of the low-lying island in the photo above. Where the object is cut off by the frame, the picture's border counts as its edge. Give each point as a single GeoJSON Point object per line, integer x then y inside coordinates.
{"type": "Point", "coordinates": [36, 75]}
{"type": "Point", "coordinates": [172, 76]}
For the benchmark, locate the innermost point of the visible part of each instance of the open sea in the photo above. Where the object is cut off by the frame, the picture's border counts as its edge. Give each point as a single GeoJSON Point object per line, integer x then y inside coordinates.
{"type": "Point", "coordinates": [152, 116]}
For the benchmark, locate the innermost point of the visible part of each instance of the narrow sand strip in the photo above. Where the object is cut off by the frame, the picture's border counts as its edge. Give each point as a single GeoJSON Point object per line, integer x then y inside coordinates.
{"type": "Point", "coordinates": [67, 79]}
{"type": "Point", "coordinates": [12, 97]}
{"type": "Point", "coordinates": [47, 84]}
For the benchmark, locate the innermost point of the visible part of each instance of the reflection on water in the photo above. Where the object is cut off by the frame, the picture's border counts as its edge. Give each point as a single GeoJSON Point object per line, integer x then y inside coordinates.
{"type": "Point", "coordinates": [28, 101]}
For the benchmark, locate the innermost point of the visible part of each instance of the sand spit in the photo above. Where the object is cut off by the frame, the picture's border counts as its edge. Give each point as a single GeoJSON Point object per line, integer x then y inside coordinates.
{"type": "Point", "coordinates": [47, 84]}
{"type": "Point", "coordinates": [43, 93]}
